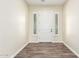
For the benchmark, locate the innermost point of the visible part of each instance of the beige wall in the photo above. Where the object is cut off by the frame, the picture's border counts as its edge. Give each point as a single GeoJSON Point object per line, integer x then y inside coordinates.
{"type": "Point", "coordinates": [37, 8]}
{"type": "Point", "coordinates": [13, 26]}
{"type": "Point", "coordinates": [71, 10]}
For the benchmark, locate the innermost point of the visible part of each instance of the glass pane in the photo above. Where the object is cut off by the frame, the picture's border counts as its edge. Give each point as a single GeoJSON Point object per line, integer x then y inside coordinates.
{"type": "Point", "coordinates": [56, 23]}
{"type": "Point", "coordinates": [34, 23]}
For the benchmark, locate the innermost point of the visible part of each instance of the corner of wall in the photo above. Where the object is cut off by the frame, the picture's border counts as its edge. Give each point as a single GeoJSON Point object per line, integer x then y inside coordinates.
{"type": "Point", "coordinates": [12, 56]}
{"type": "Point", "coordinates": [71, 49]}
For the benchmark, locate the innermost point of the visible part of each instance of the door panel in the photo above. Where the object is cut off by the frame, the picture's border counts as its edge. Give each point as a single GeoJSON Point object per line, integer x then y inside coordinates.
{"type": "Point", "coordinates": [46, 26]}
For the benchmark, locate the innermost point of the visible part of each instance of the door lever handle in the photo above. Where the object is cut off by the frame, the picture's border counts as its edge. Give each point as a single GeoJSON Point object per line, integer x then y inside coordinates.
{"type": "Point", "coordinates": [51, 29]}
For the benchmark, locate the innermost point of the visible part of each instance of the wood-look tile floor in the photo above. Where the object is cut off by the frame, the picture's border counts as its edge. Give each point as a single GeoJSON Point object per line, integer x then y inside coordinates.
{"type": "Point", "coordinates": [46, 50]}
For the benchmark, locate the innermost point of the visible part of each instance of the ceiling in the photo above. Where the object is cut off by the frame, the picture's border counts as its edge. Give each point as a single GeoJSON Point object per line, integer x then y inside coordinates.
{"type": "Point", "coordinates": [45, 2]}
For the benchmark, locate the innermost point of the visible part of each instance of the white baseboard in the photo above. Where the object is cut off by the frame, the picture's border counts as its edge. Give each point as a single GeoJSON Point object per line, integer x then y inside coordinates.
{"type": "Point", "coordinates": [52, 42]}
{"type": "Point", "coordinates": [19, 50]}
{"type": "Point", "coordinates": [71, 49]}
{"type": "Point", "coordinates": [57, 41]}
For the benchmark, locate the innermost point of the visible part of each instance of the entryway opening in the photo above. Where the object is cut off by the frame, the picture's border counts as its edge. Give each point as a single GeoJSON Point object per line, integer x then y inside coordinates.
{"type": "Point", "coordinates": [45, 25]}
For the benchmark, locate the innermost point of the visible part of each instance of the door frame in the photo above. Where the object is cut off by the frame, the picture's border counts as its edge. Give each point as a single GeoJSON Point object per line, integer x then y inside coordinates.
{"type": "Point", "coordinates": [35, 36]}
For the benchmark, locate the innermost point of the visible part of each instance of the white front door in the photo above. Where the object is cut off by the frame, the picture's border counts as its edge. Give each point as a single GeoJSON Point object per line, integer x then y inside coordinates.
{"type": "Point", "coordinates": [46, 26]}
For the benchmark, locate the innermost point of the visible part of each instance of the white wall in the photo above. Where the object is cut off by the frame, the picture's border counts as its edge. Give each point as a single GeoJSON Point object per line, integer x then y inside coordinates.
{"type": "Point", "coordinates": [36, 9]}
{"type": "Point", "coordinates": [13, 26]}
{"type": "Point", "coordinates": [72, 24]}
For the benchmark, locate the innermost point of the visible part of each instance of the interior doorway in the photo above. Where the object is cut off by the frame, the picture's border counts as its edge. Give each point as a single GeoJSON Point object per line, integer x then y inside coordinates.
{"type": "Point", "coordinates": [45, 25]}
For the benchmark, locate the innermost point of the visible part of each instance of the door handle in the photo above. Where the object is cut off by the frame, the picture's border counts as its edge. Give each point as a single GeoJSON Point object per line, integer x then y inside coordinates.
{"type": "Point", "coordinates": [51, 29]}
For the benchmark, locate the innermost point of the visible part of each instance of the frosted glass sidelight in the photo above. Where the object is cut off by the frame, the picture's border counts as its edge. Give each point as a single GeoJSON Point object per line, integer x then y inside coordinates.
{"type": "Point", "coordinates": [35, 17]}
{"type": "Point", "coordinates": [56, 24]}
